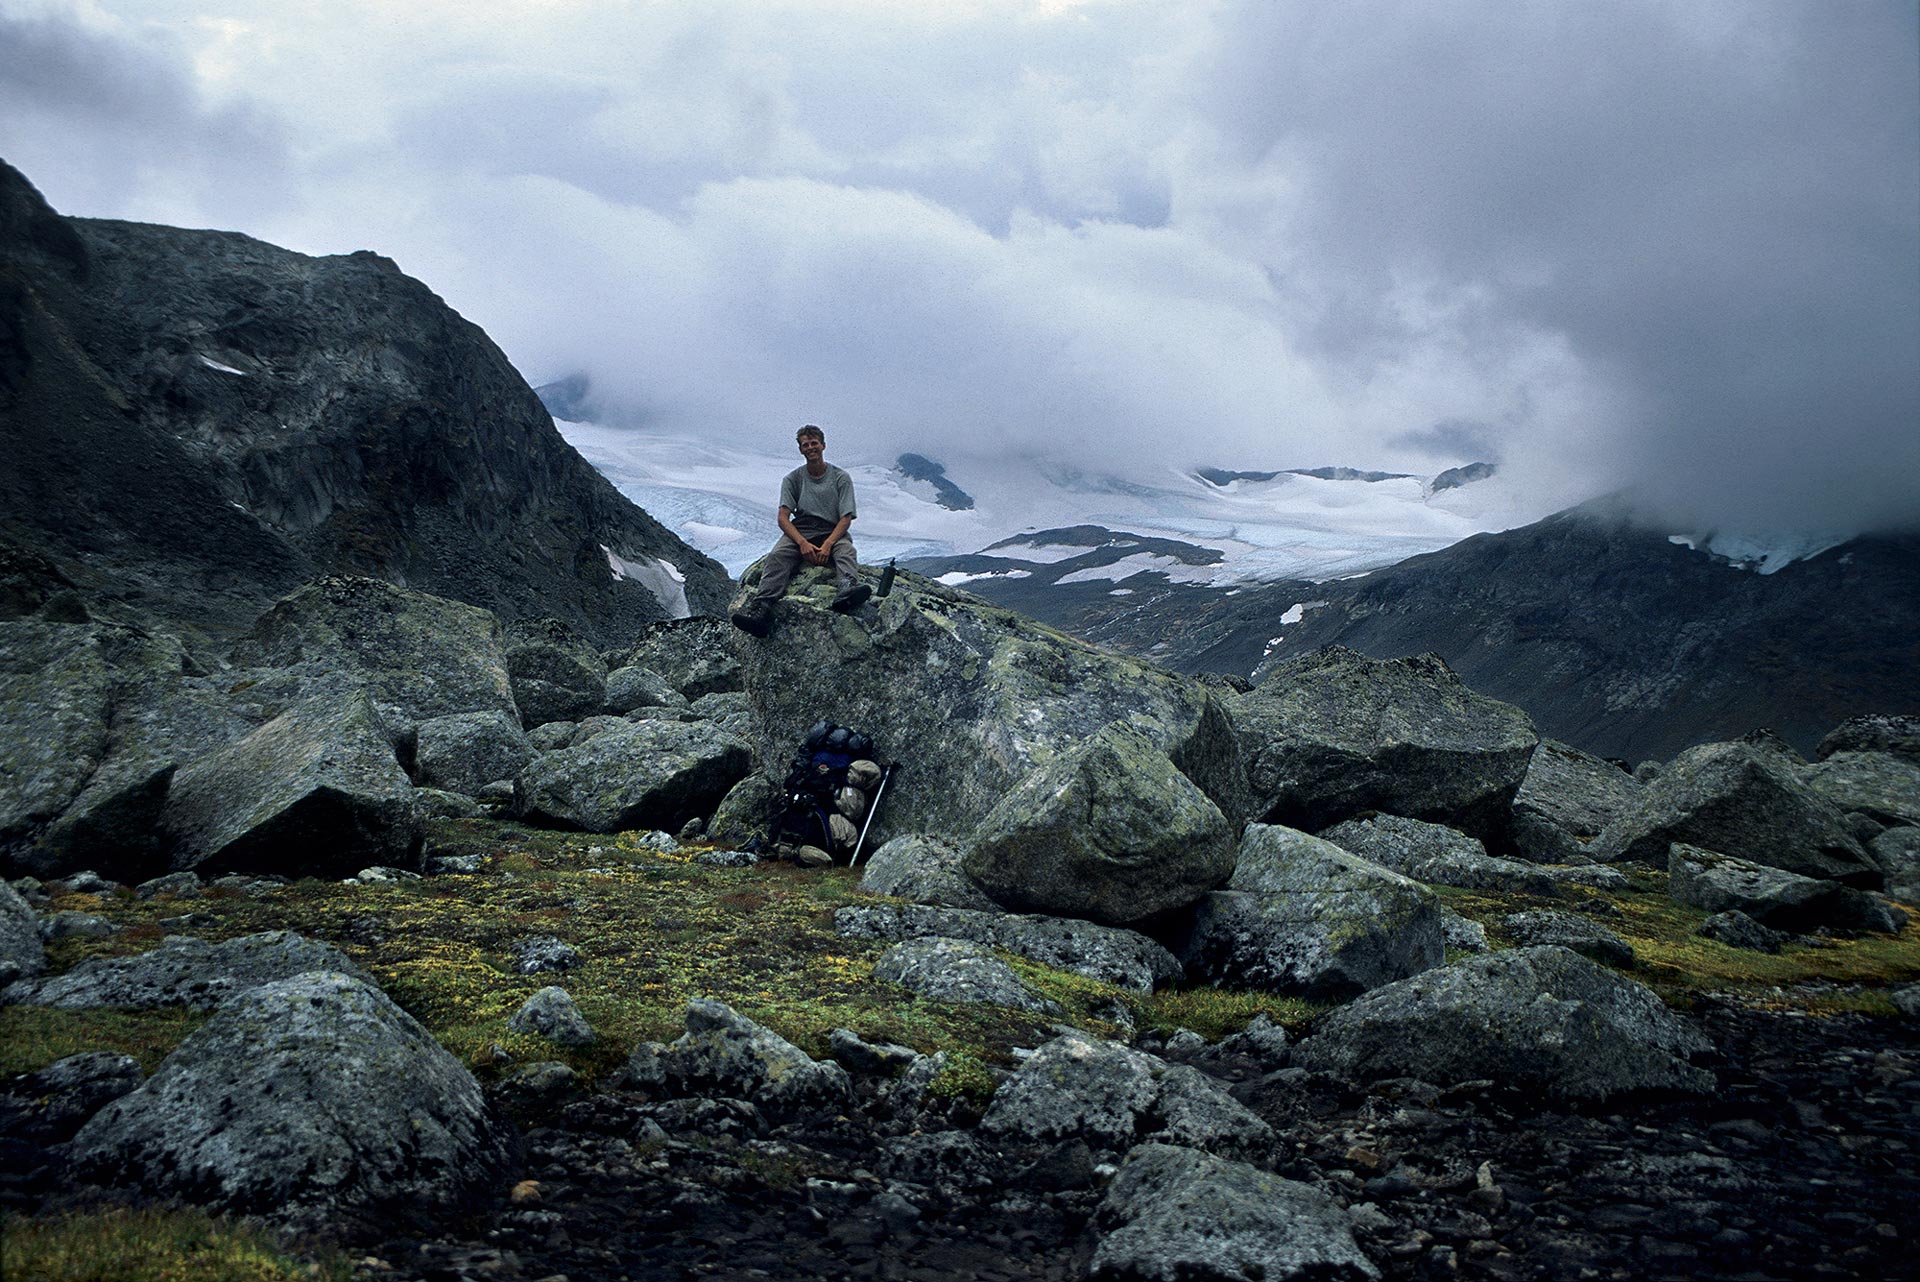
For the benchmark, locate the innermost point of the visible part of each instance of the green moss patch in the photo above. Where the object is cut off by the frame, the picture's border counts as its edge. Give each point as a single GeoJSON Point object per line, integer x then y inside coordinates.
{"type": "Point", "coordinates": [121, 1245]}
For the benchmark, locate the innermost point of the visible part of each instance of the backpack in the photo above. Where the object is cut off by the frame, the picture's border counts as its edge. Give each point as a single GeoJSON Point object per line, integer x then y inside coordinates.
{"type": "Point", "coordinates": [814, 792]}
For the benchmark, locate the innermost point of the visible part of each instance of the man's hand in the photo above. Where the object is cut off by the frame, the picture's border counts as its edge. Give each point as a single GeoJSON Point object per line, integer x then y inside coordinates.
{"type": "Point", "coordinates": [812, 553]}
{"type": "Point", "coordinates": [821, 554]}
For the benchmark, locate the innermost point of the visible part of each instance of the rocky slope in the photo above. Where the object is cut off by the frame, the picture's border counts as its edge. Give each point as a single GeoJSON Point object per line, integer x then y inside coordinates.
{"type": "Point", "coordinates": [194, 422]}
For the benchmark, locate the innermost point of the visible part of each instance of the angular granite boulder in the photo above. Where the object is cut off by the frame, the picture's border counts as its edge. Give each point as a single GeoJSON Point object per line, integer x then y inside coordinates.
{"type": "Point", "coordinates": [1877, 784]}
{"type": "Point", "coordinates": [725, 1054]}
{"type": "Point", "coordinates": [1567, 797]}
{"type": "Point", "coordinates": [925, 870]}
{"type": "Point", "coordinates": [1771, 896]}
{"type": "Point", "coordinates": [465, 751]}
{"type": "Point", "coordinates": [186, 972]}
{"type": "Point", "coordinates": [22, 952]}
{"type": "Point", "coordinates": [1436, 855]}
{"type": "Point", "coordinates": [959, 971]}
{"type": "Point", "coordinates": [637, 774]}
{"type": "Point", "coordinates": [556, 674]}
{"type": "Point", "coordinates": [1109, 954]}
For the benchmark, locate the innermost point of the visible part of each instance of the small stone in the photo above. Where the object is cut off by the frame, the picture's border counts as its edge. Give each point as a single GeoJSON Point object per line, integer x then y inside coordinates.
{"type": "Point", "coordinates": [550, 1013]}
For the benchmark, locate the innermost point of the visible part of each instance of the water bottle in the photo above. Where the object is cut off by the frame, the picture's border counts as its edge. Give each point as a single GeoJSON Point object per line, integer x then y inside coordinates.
{"type": "Point", "coordinates": [886, 579]}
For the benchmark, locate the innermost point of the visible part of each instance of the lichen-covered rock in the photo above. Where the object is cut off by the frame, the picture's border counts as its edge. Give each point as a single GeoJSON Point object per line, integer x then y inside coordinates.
{"type": "Point", "coordinates": [1303, 916]}
{"type": "Point", "coordinates": [1333, 733]}
{"type": "Point", "coordinates": [1737, 930]}
{"type": "Point", "coordinates": [1109, 830]}
{"type": "Point", "coordinates": [552, 736]}
{"type": "Point", "coordinates": [1899, 735]}
{"type": "Point", "coordinates": [466, 751]}
{"type": "Point", "coordinates": [961, 972]}
{"type": "Point", "coordinates": [556, 675]}
{"type": "Point", "coordinates": [723, 1053]}
{"type": "Point", "coordinates": [188, 972]}
{"type": "Point", "coordinates": [1541, 1019]}
{"type": "Point", "coordinates": [631, 687]}
{"type": "Point", "coordinates": [311, 1101]}
{"type": "Point", "coordinates": [975, 699]}
{"type": "Point", "coordinates": [316, 791]}
{"type": "Point", "coordinates": [49, 1106]}
{"type": "Point", "coordinates": [1175, 1215]}
{"type": "Point", "coordinates": [1114, 1097]}
{"type": "Point", "coordinates": [1461, 933]}
{"type": "Point", "coordinates": [644, 774]}
{"type": "Point", "coordinates": [552, 1014]}
{"type": "Point", "coordinates": [23, 954]}
{"type": "Point", "coordinates": [1436, 855]}
{"type": "Point", "coordinates": [1772, 896]}
{"type": "Point", "coordinates": [743, 814]}
{"type": "Point", "coordinates": [544, 953]}
{"type": "Point", "coordinates": [1878, 784]}
{"type": "Point", "coordinates": [1744, 801]}
{"type": "Point", "coordinates": [694, 655]}
{"type": "Point", "coordinates": [416, 655]}
{"type": "Point", "coordinates": [1569, 930]}
{"type": "Point", "coordinates": [1897, 851]}
{"type": "Point", "coordinates": [925, 870]}
{"type": "Point", "coordinates": [1110, 954]}
{"type": "Point", "coordinates": [1567, 797]}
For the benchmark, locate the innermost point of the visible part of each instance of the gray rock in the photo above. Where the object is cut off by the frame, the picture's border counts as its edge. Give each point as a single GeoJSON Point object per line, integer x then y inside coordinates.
{"type": "Point", "coordinates": [317, 791]}
{"type": "Point", "coordinates": [1878, 784]}
{"type": "Point", "coordinates": [744, 812]}
{"type": "Point", "coordinates": [1109, 954]}
{"type": "Point", "coordinates": [189, 972]}
{"type": "Point", "coordinates": [88, 882]}
{"type": "Point", "coordinates": [453, 865]}
{"type": "Point", "coordinates": [647, 774]}
{"type": "Point", "coordinates": [1897, 735]}
{"type": "Point", "coordinates": [1436, 855]}
{"type": "Point", "coordinates": [873, 1059]}
{"type": "Point", "coordinates": [1460, 933]}
{"type": "Point", "coordinates": [416, 655]}
{"type": "Point", "coordinates": [1174, 1215]}
{"type": "Point", "coordinates": [556, 674]}
{"type": "Point", "coordinates": [1303, 916]}
{"type": "Point", "coordinates": [1897, 850]}
{"type": "Point", "coordinates": [1539, 1019]}
{"type": "Point", "coordinates": [725, 1054]}
{"type": "Point", "coordinates": [1737, 930]}
{"type": "Point", "coordinates": [589, 728]}
{"type": "Point", "coordinates": [1261, 1041]}
{"type": "Point", "coordinates": [1109, 830]}
{"type": "Point", "coordinates": [977, 697]}
{"type": "Point", "coordinates": [551, 1013]}
{"type": "Point", "coordinates": [433, 803]}
{"type": "Point", "coordinates": [1906, 1000]}
{"type": "Point", "coordinates": [960, 972]}
{"type": "Point", "coordinates": [23, 954]}
{"type": "Point", "coordinates": [1570, 930]}
{"type": "Point", "coordinates": [1772, 896]}
{"type": "Point", "coordinates": [694, 655]}
{"type": "Point", "coordinates": [1333, 733]}
{"type": "Point", "coordinates": [730, 707]}
{"type": "Point", "coordinates": [632, 687]}
{"type": "Point", "coordinates": [307, 1100]}
{"type": "Point", "coordinates": [1743, 801]}
{"type": "Point", "coordinates": [1567, 797]}
{"type": "Point", "coordinates": [925, 870]}
{"type": "Point", "coordinates": [465, 751]}
{"type": "Point", "coordinates": [51, 1105]}
{"type": "Point", "coordinates": [180, 885]}
{"type": "Point", "coordinates": [552, 736]}
{"type": "Point", "coordinates": [1114, 1097]}
{"type": "Point", "coordinates": [543, 953]}
{"type": "Point", "coordinates": [76, 925]}
{"type": "Point", "coordinates": [543, 1082]}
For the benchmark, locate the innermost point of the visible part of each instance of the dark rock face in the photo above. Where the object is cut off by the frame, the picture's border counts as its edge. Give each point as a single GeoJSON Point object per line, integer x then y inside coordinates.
{"type": "Point", "coordinates": [1567, 797]}
{"type": "Point", "coordinates": [22, 953]}
{"type": "Point", "coordinates": [1773, 897]}
{"type": "Point", "coordinates": [1899, 735]}
{"type": "Point", "coordinates": [316, 791]}
{"type": "Point", "coordinates": [1334, 733]}
{"type": "Point", "coordinates": [310, 1100]}
{"type": "Point", "coordinates": [249, 418]}
{"type": "Point", "coordinates": [1881, 785]}
{"type": "Point", "coordinates": [1744, 801]}
{"type": "Point", "coordinates": [1436, 854]}
{"type": "Point", "coordinates": [694, 655]}
{"type": "Point", "coordinates": [644, 774]}
{"type": "Point", "coordinates": [1540, 1018]}
{"type": "Point", "coordinates": [466, 751]}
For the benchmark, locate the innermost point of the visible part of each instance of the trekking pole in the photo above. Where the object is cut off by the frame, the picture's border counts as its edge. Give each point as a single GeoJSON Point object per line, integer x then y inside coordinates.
{"type": "Point", "coordinates": [878, 793]}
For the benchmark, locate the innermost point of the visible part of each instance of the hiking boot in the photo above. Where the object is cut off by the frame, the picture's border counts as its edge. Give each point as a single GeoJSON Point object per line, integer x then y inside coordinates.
{"type": "Point", "coordinates": [851, 598]}
{"type": "Point", "coordinates": [754, 618]}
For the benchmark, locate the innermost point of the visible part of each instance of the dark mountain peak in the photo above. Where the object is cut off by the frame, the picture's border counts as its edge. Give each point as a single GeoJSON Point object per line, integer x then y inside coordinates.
{"type": "Point", "coordinates": [1455, 477]}
{"type": "Point", "coordinates": [918, 467]}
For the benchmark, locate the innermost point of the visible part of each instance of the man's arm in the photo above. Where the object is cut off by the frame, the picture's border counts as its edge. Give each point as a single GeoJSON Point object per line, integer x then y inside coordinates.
{"type": "Point", "coordinates": [807, 549]}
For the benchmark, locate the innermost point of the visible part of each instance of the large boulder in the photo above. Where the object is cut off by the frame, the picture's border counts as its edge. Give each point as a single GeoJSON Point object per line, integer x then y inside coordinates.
{"type": "Point", "coordinates": [694, 655]}
{"type": "Point", "coordinates": [1898, 735]}
{"type": "Point", "coordinates": [1744, 800]}
{"type": "Point", "coordinates": [311, 1100]}
{"type": "Point", "coordinates": [925, 870]}
{"type": "Point", "coordinates": [971, 697]}
{"type": "Point", "coordinates": [1114, 1097]}
{"type": "Point", "coordinates": [1543, 1020]}
{"type": "Point", "coordinates": [641, 774]}
{"type": "Point", "coordinates": [1176, 1215]}
{"type": "Point", "coordinates": [1333, 733]}
{"type": "Point", "coordinates": [1771, 896]}
{"type": "Point", "coordinates": [418, 656]}
{"type": "Point", "coordinates": [723, 1053]}
{"type": "Point", "coordinates": [1436, 854]}
{"type": "Point", "coordinates": [1303, 916]}
{"type": "Point", "coordinates": [317, 791]}
{"type": "Point", "coordinates": [556, 675]}
{"type": "Point", "coordinates": [631, 688]}
{"type": "Point", "coordinates": [22, 953]}
{"type": "Point", "coordinates": [1897, 850]}
{"type": "Point", "coordinates": [1109, 830]}
{"type": "Point", "coordinates": [466, 751]}
{"type": "Point", "coordinates": [1879, 784]}
{"type": "Point", "coordinates": [1109, 954]}
{"type": "Point", "coordinates": [1567, 797]}
{"type": "Point", "coordinates": [961, 972]}
{"type": "Point", "coordinates": [185, 972]}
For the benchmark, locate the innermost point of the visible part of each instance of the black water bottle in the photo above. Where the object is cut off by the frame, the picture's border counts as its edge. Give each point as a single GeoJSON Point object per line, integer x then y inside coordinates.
{"type": "Point", "coordinates": [886, 579]}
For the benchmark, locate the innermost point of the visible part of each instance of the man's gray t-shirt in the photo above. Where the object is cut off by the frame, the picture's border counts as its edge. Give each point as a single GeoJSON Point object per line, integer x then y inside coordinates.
{"type": "Point", "coordinates": [817, 505]}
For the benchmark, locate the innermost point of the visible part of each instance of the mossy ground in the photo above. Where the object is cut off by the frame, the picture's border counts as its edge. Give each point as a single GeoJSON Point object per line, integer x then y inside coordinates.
{"type": "Point", "coordinates": [154, 1244]}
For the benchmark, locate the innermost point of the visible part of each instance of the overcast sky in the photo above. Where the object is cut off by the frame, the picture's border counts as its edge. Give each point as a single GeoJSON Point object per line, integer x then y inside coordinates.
{"type": "Point", "coordinates": [1666, 243]}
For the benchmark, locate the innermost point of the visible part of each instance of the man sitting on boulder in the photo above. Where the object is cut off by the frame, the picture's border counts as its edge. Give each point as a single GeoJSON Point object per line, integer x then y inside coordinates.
{"type": "Point", "coordinates": [816, 507]}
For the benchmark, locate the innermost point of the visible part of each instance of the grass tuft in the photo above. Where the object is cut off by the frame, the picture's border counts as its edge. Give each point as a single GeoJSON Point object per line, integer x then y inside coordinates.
{"type": "Point", "coordinates": [154, 1245]}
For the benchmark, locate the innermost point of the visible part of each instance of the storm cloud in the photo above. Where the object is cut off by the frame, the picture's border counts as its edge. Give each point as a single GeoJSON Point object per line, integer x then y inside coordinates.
{"type": "Point", "coordinates": [1658, 244]}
